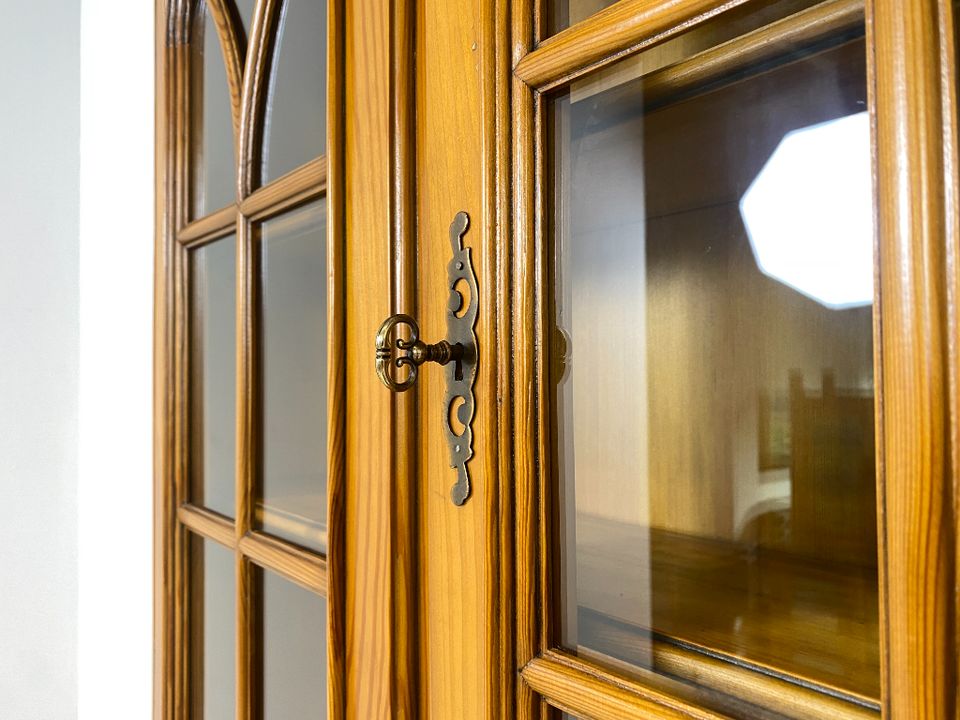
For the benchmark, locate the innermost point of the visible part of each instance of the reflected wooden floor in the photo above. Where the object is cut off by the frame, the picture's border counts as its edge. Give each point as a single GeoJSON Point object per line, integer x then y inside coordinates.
{"type": "Point", "coordinates": [775, 610]}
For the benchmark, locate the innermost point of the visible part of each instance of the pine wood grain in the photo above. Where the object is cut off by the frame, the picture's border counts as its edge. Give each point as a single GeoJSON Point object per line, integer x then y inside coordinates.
{"type": "Point", "coordinates": [336, 366]}
{"type": "Point", "coordinates": [624, 27]}
{"type": "Point", "coordinates": [367, 403]}
{"type": "Point", "coordinates": [916, 501]}
{"type": "Point", "coordinates": [208, 228]}
{"type": "Point", "coordinates": [306, 569]}
{"type": "Point", "coordinates": [208, 524]}
{"type": "Point", "coordinates": [305, 183]}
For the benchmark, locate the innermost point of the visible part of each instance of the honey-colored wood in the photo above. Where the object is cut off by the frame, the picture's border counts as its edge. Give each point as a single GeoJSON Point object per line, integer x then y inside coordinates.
{"type": "Point", "coordinates": [803, 29]}
{"type": "Point", "coordinates": [233, 47]}
{"type": "Point", "coordinates": [208, 524]}
{"type": "Point", "coordinates": [917, 478]}
{"type": "Point", "coordinates": [367, 404]}
{"type": "Point", "coordinates": [336, 367]}
{"type": "Point", "coordinates": [453, 576]}
{"type": "Point", "coordinates": [529, 593]}
{"type": "Point", "coordinates": [307, 182]}
{"type": "Point", "coordinates": [303, 567]}
{"type": "Point", "coordinates": [590, 692]}
{"type": "Point", "coordinates": [624, 27]}
{"type": "Point", "coordinates": [208, 228]}
{"type": "Point", "coordinates": [404, 669]}
{"type": "Point", "coordinates": [497, 457]}
{"type": "Point", "coordinates": [255, 82]}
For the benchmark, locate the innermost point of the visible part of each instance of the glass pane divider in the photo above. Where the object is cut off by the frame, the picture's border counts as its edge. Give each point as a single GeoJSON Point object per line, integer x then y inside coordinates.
{"type": "Point", "coordinates": [208, 524]}
{"type": "Point", "coordinates": [208, 228]}
{"type": "Point", "coordinates": [307, 182]}
{"type": "Point", "coordinates": [610, 35]}
{"type": "Point", "coordinates": [303, 567]}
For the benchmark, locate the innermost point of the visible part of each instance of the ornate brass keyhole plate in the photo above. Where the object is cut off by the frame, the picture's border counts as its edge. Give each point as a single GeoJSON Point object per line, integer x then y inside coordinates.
{"type": "Point", "coordinates": [457, 353]}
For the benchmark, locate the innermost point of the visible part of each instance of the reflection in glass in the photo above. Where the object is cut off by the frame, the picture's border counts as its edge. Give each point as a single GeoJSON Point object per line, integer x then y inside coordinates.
{"type": "Point", "coordinates": [294, 266]}
{"type": "Point", "coordinates": [294, 651]}
{"type": "Point", "coordinates": [714, 409]}
{"type": "Point", "coordinates": [561, 14]}
{"type": "Point", "coordinates": [214, 164]}
{"type": "Point", "coordinates": [296, 123]}
{"type": "Point", "coordinates": [213, 631]}
{"type": "Point", "coordinates": [213, 375]}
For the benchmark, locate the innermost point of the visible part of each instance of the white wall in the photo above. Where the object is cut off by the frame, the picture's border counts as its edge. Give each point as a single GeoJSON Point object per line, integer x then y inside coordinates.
{"type": "Point", "coordinates": [116, 321]}
{"type": "Point", "coordinates": [39, 175]}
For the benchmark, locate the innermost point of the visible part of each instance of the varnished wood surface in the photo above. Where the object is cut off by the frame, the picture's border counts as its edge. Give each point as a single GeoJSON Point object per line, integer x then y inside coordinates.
{"type": "Point", "coordinates": [601, 695]}
{"type": "Point", "coordinates": [208, 524]}
{"type": "Point", "coordinates": [367, 404]}
{"type": "Point", "coordinates": [208, 228]}
{"type": "Point", "coordinates": [917, 484]}
{"type": "Point", "coordinates": [233, 48]}
{"type": "Point", "coordinates": [297, 565]}
{"type": "Point", "coordinates": [452, 579]}
{"type": "Point", "coordinates": [626, 26]}
{"type": "Point", "coordinates": [529, 594]}
{"type": "Point", "coordinates": [336, 365]}
{"type": "Point", "coordinates": [404, 661]}
{"type": "Point", "coordinates": [298, 186]}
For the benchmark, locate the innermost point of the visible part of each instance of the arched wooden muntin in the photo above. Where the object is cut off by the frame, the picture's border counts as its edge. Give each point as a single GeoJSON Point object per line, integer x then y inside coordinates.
{"type": "Point", "coordinates": [177, 232]}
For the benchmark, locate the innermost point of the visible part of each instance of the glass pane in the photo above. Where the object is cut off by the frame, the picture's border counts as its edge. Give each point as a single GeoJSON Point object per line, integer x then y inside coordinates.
{"type": "Point", "coordinates": [213, 374]}
{"type": "Point", "coordinates": [561, 14]}
{"type": "Point", "coordinates": [294, 265]}
{"type": "Point", "coordinates": [213, 632]}
{"type": "Point", "coordinates": [214, 163]}
{"type": "Point", "coordinates": [245, 9]}
{"type": "Point", "coordinates": [296, 120]}
{"type": "Point", "coordinates": [713, 281]}
{"type": "Point", "coordinates": [294, 651]}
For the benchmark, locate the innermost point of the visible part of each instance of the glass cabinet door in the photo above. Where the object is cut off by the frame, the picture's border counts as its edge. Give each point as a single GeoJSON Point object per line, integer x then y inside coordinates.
{"type": "Point", "coordinates": [711, 237]}
{"type": "Point", "coordinates": [254, 269]}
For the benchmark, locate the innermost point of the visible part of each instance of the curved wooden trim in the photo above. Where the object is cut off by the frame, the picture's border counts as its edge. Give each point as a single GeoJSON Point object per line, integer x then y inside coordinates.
{"type": "Point", "coordinates": [301, 566]}
{"type": "Point", "coordinates": [255, 81]}
{"type": "Point", "coordinates": [612, 33]}
{"type": "Point", "coordinates": [307, 182]}
{"type": "Point", "coordinates": [336, 367]}
{"type": "Point", "coordinates": [233, 47]}
{"type": "Point", "coordinates": [917, 329]}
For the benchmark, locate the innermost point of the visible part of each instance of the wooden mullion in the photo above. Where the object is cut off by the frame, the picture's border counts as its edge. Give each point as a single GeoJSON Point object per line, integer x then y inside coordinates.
{"type": "Point", "coordinates": [307, 182]}
{"type": "Point", "coordinates": [249, 587]}
{"type": "Point", "coordinates": [255, 82]}
{"type": "Point", "coordinates": [623, 28]}
{"type": "Point", "coordinates": [208, 524]}
{"type": "Point", "coordinates": [306, 569]}
{"type": "Point", "coordinates": [210, 227]}
{"type": "Point", "coordinates": [591, 692]}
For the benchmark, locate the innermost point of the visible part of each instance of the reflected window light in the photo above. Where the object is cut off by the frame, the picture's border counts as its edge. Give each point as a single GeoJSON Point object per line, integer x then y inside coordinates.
{"type": "Point", "coordinates": [809, 213]}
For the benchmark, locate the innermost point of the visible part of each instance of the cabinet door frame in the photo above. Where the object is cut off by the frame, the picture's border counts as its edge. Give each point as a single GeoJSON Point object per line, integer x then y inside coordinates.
{"type": "Point", "coordinates": [912, 86]}
{"type": "Point", "coordinates": [175, 519]}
